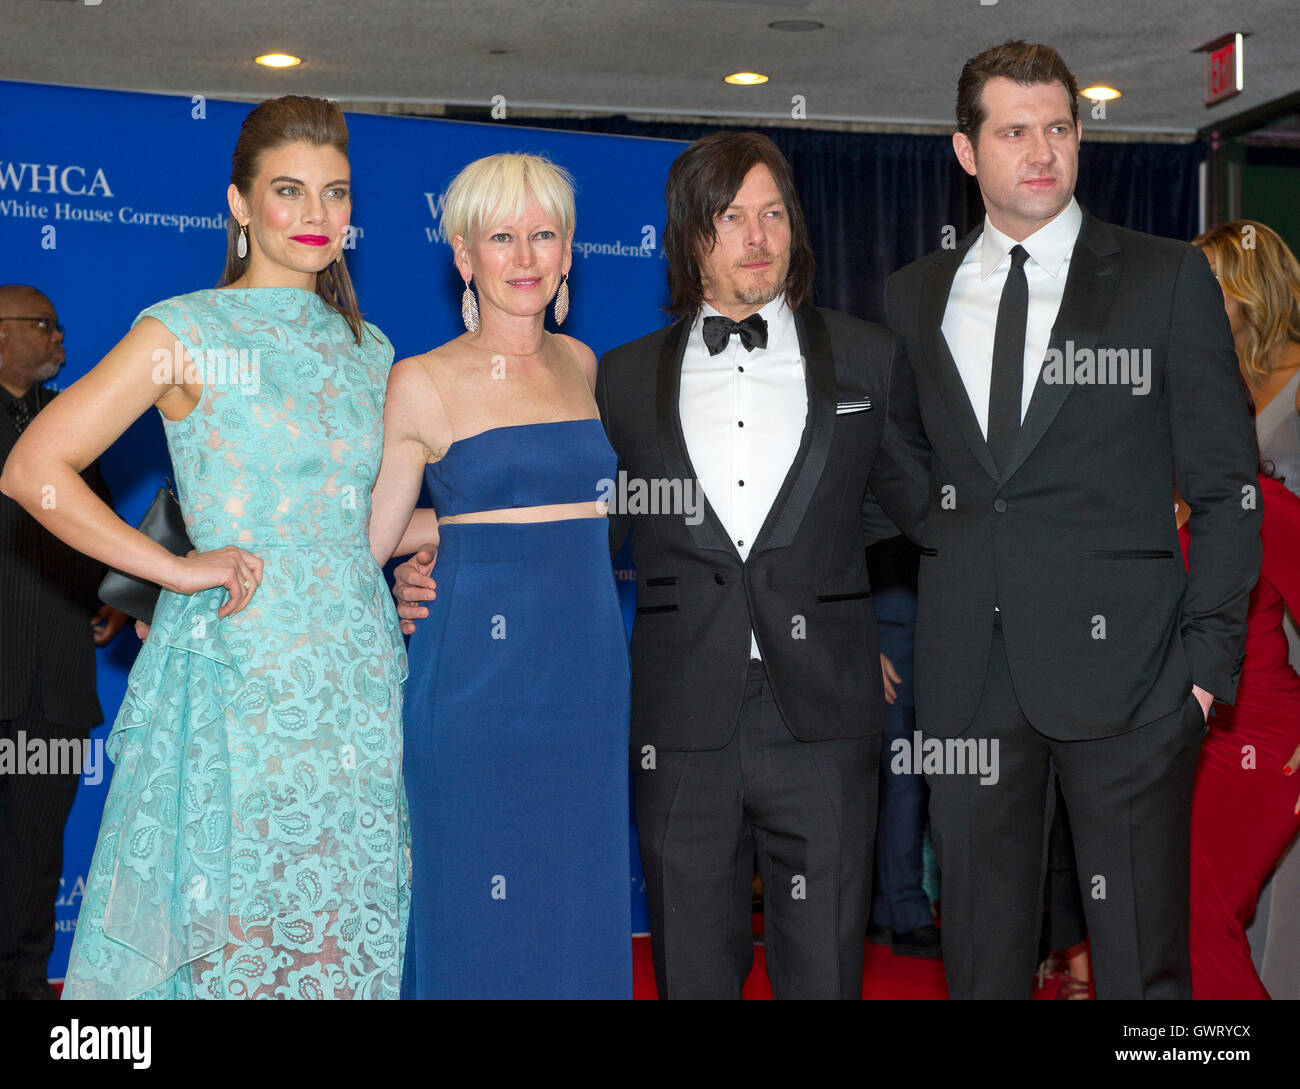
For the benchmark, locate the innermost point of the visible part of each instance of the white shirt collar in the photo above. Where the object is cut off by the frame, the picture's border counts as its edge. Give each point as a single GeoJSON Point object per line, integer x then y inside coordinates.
{"type": "Point", "coordinates": [1049, 246]}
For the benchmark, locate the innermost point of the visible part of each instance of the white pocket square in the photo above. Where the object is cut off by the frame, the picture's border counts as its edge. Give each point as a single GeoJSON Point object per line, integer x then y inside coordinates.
{"type": "Point", "coordinates": [845, 408]}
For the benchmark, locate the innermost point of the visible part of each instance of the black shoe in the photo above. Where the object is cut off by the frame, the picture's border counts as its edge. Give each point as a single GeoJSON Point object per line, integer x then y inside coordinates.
{"type": "Point", "coordinates": [922, 942]}
{"type": "Point", "coordinates": [879, 935]}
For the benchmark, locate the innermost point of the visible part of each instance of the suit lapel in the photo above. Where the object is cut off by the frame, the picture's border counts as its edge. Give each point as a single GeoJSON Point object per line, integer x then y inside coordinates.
{"type": "Point", "coordinates": [935, 288]}
{"type": "Point", "coordinates": [791, 503]}
{"type": "Point", "coordinates": [1085, 304]}
{"type": "Point", "coordinates": [708, 533]}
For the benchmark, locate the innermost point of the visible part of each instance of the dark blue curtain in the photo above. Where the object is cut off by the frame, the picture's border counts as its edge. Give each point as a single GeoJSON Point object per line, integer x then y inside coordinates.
{"type": "Point", "coordinates": [874, 201]}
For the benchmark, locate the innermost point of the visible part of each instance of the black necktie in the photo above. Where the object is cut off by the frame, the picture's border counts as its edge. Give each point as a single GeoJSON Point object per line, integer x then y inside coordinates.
{"type": "Point", "coordinates": [1008, 361]}
{"type": "Point", "coordinates": [22, 412]}
{"type": "Point", "coordinates": [718, 330]}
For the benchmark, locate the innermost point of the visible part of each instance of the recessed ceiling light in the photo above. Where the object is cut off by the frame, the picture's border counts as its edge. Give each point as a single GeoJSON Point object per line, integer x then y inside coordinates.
{"type": "Point", "coordinates": [745, 79]}
{"type": "Point", "coordinates": [1100, 93]}
{"type": "Point", "coordinates": [278, 60]}
{"type": "Point", "coordinates": [795, 24]}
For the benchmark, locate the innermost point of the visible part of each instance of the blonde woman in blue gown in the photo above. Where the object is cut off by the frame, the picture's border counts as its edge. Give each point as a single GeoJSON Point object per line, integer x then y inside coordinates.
{"type": "Point", "coordinates": [517, 708]}
{"type": "Point", "coordinates": [254, 839]}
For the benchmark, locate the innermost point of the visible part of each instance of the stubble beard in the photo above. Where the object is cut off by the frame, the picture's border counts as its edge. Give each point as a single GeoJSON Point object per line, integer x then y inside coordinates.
{"type": "Point", "coordinates": [758, 297]}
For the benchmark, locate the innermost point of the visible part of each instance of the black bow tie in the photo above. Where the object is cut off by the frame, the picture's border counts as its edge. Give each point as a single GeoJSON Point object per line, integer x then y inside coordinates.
{"type": "Point", "coordinates": [718, 330]}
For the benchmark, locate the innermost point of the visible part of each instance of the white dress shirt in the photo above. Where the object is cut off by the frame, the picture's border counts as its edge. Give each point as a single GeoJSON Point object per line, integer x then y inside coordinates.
{"type": "Point", "coordinates": [742, 417]}
{"type": "Point", "coordinates": [970, 322]}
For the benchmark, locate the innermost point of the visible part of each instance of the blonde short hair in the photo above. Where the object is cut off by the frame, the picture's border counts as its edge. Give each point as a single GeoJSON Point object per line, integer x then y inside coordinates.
{"type": "Point", "coordinates": [1257, 269]}
{"type": "Point", "coordinates": [503, 183]}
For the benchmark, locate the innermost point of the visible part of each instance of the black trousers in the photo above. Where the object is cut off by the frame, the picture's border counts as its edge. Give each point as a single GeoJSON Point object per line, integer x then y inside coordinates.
{"type": "Point", "coordinates": [1129, 800]}
{"type": "Point", "coordinates": [33, 811]}
{"type": "Point", "coordinates": [807, 810]}
{"type": "Point", "coordinates": [1066, 926]}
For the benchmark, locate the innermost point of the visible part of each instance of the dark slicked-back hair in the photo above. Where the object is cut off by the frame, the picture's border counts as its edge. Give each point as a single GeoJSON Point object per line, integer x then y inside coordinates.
{"type": "Point", "coordinates": [702, 182]}
{"type": "Point", "coordinates": [1020, 61]}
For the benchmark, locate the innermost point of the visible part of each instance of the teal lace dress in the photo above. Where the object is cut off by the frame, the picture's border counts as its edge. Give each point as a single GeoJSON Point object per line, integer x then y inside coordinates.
{"type": "Point", "coordinates": [254, 841]}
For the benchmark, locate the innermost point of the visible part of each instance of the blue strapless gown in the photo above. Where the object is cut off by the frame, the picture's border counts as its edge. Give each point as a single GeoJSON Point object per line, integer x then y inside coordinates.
{"type": "Point", "coordinates": [516, 717]}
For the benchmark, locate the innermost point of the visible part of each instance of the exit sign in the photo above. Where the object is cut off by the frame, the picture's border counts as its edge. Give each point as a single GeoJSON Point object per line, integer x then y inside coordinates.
{"type": "Point", "coordinates": [1224, 69]}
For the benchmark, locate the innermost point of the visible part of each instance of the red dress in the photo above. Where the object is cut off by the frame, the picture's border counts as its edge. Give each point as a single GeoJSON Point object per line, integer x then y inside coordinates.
{"type": "Point", "coordinates": [1243, 805]}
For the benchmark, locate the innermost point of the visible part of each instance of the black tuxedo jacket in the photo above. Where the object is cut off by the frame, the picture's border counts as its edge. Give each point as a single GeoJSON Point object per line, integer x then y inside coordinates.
{"type": "Point", "coordinates": [49, 592]}
{"type": "Point", "coordinates": [804, 587]}
{"type": "Point", "coordinates": [1075, 540]}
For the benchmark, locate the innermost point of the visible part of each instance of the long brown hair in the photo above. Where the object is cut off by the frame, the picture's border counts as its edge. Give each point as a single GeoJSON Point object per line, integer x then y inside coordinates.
{"type": "Point", "coordinates": [291, 119]}
{"type": "Point", "coordinates": [703, 180]}
{"type": "Point", "coordinates": [1258, 270]}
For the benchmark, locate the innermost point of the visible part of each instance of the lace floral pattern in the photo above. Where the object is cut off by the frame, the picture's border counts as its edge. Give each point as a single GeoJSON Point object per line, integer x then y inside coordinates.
{"type": "Point", "coordinates": [254, 841]}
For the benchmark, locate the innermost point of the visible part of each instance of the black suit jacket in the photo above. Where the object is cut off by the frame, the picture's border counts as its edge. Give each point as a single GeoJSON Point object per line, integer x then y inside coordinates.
{"type": "Point", "coordinates": [804, 587]}
{"type": "Point", "coordinates": [49, 593]}
{"type": "Point", "coordinates": [1075, 540]}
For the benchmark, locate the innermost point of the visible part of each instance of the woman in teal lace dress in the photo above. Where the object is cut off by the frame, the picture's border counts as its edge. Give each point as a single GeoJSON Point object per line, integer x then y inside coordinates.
{"type": "Point", "coordinates": [254, 839]}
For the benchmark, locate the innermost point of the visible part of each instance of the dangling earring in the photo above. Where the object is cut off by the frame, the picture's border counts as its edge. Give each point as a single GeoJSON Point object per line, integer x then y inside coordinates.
{"type": "Point", "coordinates": [562, 301]}
{"type": "Point", "coordinates": [469, 309]}
{"type": "Point", "coordinates": [241, 247]}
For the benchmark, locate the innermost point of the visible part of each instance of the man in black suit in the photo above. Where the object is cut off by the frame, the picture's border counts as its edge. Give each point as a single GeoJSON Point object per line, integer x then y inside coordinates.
{"type": "Point", "coordinates": [1067, 371]}
{"type": "Point", "coordinates": [756, 689]}
{"type": "Point", "coordinates": [47, 659]}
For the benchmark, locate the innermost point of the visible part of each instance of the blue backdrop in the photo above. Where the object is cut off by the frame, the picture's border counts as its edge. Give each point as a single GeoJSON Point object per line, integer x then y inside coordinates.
{"type": "Point", "coordinates": [111, 201]}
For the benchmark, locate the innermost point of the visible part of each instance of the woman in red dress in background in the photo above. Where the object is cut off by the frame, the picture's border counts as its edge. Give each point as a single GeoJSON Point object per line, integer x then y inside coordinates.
{"type": "Point", "coordinates": [1244, 807]}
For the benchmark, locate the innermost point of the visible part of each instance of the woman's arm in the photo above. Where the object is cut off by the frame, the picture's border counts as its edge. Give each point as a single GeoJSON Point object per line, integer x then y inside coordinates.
{"type": "Point", "coordinates": [421, 533]}
{"type": "Point", "coordinates": [42, 473]}
{"type": "Point", "coordinates": [410, 404]}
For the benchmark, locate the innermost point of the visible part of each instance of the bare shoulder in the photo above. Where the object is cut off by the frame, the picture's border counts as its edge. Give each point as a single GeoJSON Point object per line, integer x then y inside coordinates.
{"type": "Point", "coordinates": [413, 373]}
{"type": "Point", "coordinates": [582, 355]}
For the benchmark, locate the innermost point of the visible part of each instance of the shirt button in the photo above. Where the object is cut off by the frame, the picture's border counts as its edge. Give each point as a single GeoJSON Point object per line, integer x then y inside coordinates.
{"type": "Point", "coordinates": [740, 544]}
{"type": "Point", "coordinates": [1000, 505]}
{"type": "Point", "coordinates": [740, 423]}
{"type": "Point", "coordinates": [720, 578]}
{"type": "Point", "coordinates": [741, 483]}
{"type": "Point", "coordinates": [741, 369]}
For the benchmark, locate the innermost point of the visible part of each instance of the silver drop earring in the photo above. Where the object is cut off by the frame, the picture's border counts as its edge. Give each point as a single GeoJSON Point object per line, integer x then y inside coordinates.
{"type": "Point", "coordinates": [562, 301]}
{"type": "Point", "coordinates": [241, 247]}
{"type": "Point", "coordinates": [469, 309]}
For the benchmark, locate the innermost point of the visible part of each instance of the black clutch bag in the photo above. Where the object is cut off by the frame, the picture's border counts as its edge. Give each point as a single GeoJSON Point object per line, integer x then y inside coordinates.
{"type": "Point", "coordinates": [164, 523]}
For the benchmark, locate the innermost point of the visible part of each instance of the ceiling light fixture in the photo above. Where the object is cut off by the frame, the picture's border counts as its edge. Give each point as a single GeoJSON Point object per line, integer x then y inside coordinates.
{"type": "Point", "coordinates": [1101, 93]}
{"type": "Point", "coordinates": [279, 60]}
{"type": "Point", "coordinates": [745, 79]}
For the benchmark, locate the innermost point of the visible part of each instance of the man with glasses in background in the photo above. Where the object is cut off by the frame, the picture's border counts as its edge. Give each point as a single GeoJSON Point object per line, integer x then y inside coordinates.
{"type": "Point", "coordinates": [53, 621]}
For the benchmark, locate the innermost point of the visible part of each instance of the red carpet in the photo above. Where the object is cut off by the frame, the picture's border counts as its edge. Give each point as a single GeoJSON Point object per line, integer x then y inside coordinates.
{"type": "Point", "coordinates": [885, 976]}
